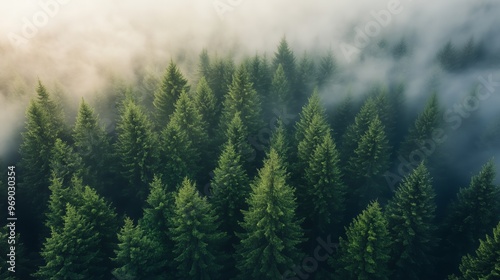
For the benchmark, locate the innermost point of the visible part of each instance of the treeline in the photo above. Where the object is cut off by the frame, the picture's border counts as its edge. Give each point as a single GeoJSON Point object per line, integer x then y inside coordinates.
{"type": "Point", "coordinates": [222, 180]}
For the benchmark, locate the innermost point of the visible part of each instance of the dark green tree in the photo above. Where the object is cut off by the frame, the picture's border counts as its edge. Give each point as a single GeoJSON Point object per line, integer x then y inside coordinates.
{"type": "Point", "coordinates": [411, 214]}
{"type": "Point", "coordinates": [365, 252]}
{"type": "Point", "coordinates": [230, 188]}
{"type": "Point", "coordinates": [272, 231]}
{"type": "Point", "coordinates": [242, 98]}
{"type": "Point", "coordinates": [136, 151]}
{"type": "Point", "coordinates": [324, 202]}
{"type": "Point", "coordinates": [62, 193]}
{"type": "Point", "coordinates": [196, 235]}
{"type": "Point", "coordinates": [237, 134]}
{"type": "Point", "coordinates": [204, 65]}
{"type": "Point", "coordinates": [475, 210]}
{"type": "Point", "coordinates": [65, 163]}
{"type": "Point", "coordinates": [219, 79]}
{"type": "Point", "coordinates": [75, 253]}
{"type": "Point", "coordinates": [281, 144]}
{"type": "Point", "coordinates": [92, 145]}
{"type": "Point", "coordinates": [484, 263]}
{"type": "Point", "coordinates": [53, 110]}
{"type": "Point", "coordinates": [156, 222]}
{"type": "Point", "coordinates": [284, 56]}
{"type": "Point", "coordinates": [305, 82]}
{"type": "Point", "coordinates": [173, 83]}
{"type": "Point", "coordinates": [326, 70]}
{"type": "Point", "coordinates": [260, 76]}
{"type": "Point", "coordinates": [280, 94]}
{"type": "Point", "coordinates": [138, 256]}
{"type": "Point", "coordinates": [341, 117]}
{"type": "Point", "coordinates": [206, 104]}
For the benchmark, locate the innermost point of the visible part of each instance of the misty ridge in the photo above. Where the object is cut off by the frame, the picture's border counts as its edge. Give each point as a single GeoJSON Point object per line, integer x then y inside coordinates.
{"type": "Point", "coordinates": [349, 108]}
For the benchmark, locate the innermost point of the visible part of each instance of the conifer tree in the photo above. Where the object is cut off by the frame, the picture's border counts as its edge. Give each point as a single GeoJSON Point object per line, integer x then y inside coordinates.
{"type": "Point", "coordinates": [365, 252]}
{"type": "Point", "coordinates": [271, 229]}
{"type": "Point", "coordinates": [230, 188]}
{"type": "Point", "coordinates": [204, 65]}
{"type": "Point", "coordinates": [280, 94]}
{"type": "Point", "coordinates": [36, 152]}
{"type": "Point", "coordinates": [138, 256]}
{"type": "Point", "coordinates": [62, 193]}
{"type": "Point", "coordinates": [244, 99]}
{"type": "Point", "coordinates": [196, 235]}
{"type": "Point", "coordinates": [156, 222]}
{"type": "Point", "coordinates": [136, 151]}
{"type": "Point", "coordinates": [475, 210]}
{"type": "Point", "coordinates": [260, 76]}
{"type": "Point", "coordinates": [341, 117]}
{"type": "Point", "coordinates": [369, 162]}
{"type": "Point", "coordinates": [237, 134]}
{"type": "Point", "coordinates": [311, 109]}
{"type": "Point", "coordinates": [326, 70]}
{"type": "Point", "coordinates": [304, 81]}
{"type": "Point", "coordinates": [324, 188]}
{"type": "Point", "coordinates": [53, 110]}
{"type": "Point", "coordinates": [75, 253]}
{"type": "Point", "coordinates": [173, 83]}
{"type": "Point", "coordinates": [206, 104]}
{"type": "Point", "coordinates": [411, 214]}
{"type": "Point", "coordinates": [65, 163]}
{"type": "Point", "coordinates": [280, 143]}
{"type": "Point", "coordinates": [92, 145]}
{"type": "Point", "coordinates": [484, 264]}
{"type": "Point", "coordinates": [284, 56]}
{"type": "Point", "coordinates": [423, 128]}
{"type": "Point", "coordinates": [219, 80]}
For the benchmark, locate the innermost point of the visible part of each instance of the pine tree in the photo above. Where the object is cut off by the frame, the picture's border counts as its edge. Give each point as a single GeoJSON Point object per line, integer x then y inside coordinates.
{"type": "Point", "coordinates": [280, 89]}
{"type": "Point", "coordinates": [230, 188]}
{"type": "Point", "coordinates": [327, 70]}
{"type": "Point", "coordinates": [260, 76]}
{"type": "Point", "coordinates": [411, 214]}
{"type": "Point", "coordinates": [136, 151]}
{"type": "Point", "coordinates": [173, 83]}
{"type": "Point", "coordinates": [36, 153]}
{"type": "Point", "coordinates": [284, 56]}
{"type": "Point", "coordinates": [475, 211]}
{"type": "Point", "coordinates": [75, 252]}
{"type": "Point", "coordinates": [271, 230]}
{"type": "Point", "coordinates": [280, 143]}
{"type": "Point", "coordinates": [369, 162]}
{"type": "Point", "coordinates": [156, 222]}
{"type": "Point", "coordinates": [304, 82]}
{"type": "Point", "coordinates": [484, 263]}
{"type": "Point", "coordinates": [137, 257]}
{"type": "Point", "coordinates": [341, 117]}
{"type": "Point", "coordinates": [53, 110]}
{"type": "Point", "coordinates": [365, 252]}
{"type": "Point", "coordinates": [92, 145]}
{"type": "Point", "coordinates": [206, 104]}
{"type": "Point", "coordinates": [311, 109]}
{"type": "Point", "coordinates": [422, 130]}
{"type": "Point", "coordinates": [196, 235]}
{"type": "Point", "coordinates": [219, 80]}
{"type": "Point", "coordinates": [237, 134]}
{"type": "Point", "coordinates": [62, 193]}
{"type": "Point", "coordinates": [65, 163]}
{"type": "Point", "coordinates": [356, 130]}
{"type": "Point", "coordinates": [325, 188]}
{"type": "Point", "coordinates": [204, 65]}
{"type": "Point", "coordinates": [244, 99]}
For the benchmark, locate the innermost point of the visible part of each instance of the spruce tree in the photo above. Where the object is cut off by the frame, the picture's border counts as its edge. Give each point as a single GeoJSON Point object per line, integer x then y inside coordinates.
{"type": "Point", "coordinates": [324, 201]}
{"type": "Point", "coordinates": [204, 65]}
{"type": "Point", "coordinates": [369, 162]}
{"type": "Point", "coordinates": [280, 94]}
{"type": "Point", "coordinates": [138, 256]}
{"type": "Point", "coordinates": [271, 229]}
{"type": "Point", "coordinates": [311, 109]}
{"type": "Point", "coordinates": [75, 253]}
{"type": "Point", "coordinates": [326, 71]}
{"type": "Point", "coordinates": [281, 144]}
{"type": "Point", "coordinates": [196, 235]}
{"type": "Point", "coordinates": [206, 104]}
{"type": "Point", "coordinates": [411, 214]}
{"type": "Point", "coordinates": [244, 99]}
{"type": "Point", "coordinates": [237, 134]}
{"type": "Point", "coordinates": [136, 151]}
{"type": "Point", "coordinates": [92, 145]}
{"type": "Point", "coordinates": [260, 76]}
{"type": "Point", "coordinates": [484, 264]}
{"type": "Point", "coordinates": [475, 210]}
{"type": "Point", "coordinates": [65, 163]}
{"type": "Point", "coordinates": [173, 83]}
{"type": "Point", "coordinates": [365, 252]}
{"type": "Point", "coordinates": [230, 188]}
{"type": "Point", "coordinates": [62, 193]}
{"type": "Point", "coordinates": [219, 79]}
{"type": "Point", "coordinates": [284, 56]}
{"type": "Point", "coordinates": [53, 110]}
{"type": "Point", "coordinates": [304, 82]}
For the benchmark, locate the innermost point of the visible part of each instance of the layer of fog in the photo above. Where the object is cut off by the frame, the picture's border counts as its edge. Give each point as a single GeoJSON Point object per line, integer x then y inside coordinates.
{"type": "Point", "coordinates": [83, 44]}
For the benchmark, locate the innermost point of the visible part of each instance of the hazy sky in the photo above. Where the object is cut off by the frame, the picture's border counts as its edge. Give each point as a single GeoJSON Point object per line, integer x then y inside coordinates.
{"type": "Point", "coordinates": [79, 43]}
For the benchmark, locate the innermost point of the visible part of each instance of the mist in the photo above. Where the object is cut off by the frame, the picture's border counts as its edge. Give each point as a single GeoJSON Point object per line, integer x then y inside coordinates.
{"type": "Point", "coordinates": [77, 46]}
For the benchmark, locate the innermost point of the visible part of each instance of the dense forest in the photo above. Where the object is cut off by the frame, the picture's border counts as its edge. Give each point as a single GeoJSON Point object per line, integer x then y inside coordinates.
{"type": "Point", "coordinates": [243, 171]}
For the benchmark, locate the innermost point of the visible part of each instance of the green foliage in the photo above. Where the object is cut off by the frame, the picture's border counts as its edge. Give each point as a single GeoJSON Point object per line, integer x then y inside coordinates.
{"type": "Point", "coordinates": [284, 56]}
{"type": "Point", "coordinates": [173, 83]}
{"type": "Point", "coordinates": [326, 70]}
{"type": "Point", "coordinates": [156, 222]}
{"type": "Point", "coordinates": [53, 110]}
{"type": "Point", "coordinates": [365, 252]}
{"type": "Point", "coordinates": [237, 134]}
{"type": "Point", "coordinates": [484, 264]}
{"type": "Point", "coordinates": [411, 216]}
{"type": "Point", "coordinates": [138, 257]}
{"type": "Point", "coordinates": [65, 163]}
{"type": "Point", "coordinates": [280, 88]}
{"type": "Point", "coordinates": [92, 145]}
{"type": "Point", "coordinates": [271, 229]}
{"type": "Point", "coordinates": [312, 109]}
{"type": "Point", "coordinates": [242, 98]}
{"type": "Point", "coordinates": [136, 151]}
{"type": "Point", "coordinates": [195, 232]}
{"type": "Point", "coordinates": [280, 143]}
{"type": "Point", "coordinates": [422, 130]}
{"type": "Point", "coordinates": [206, 105]}
{"type": "Point", "coordinates": [475, 211]}
{"type": "Point", "coordinates": [260, 76]}
{"type": "Point", "coordinates": [325, 188]}
{"type": "Point", "coordinates": [62, 193]}
{"type": "Point", "coordinates": [341, 117]}
{"type": "Point", "coordinates": [230, 188]}
{"type": "Point", "coordinates": [75, 253]}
